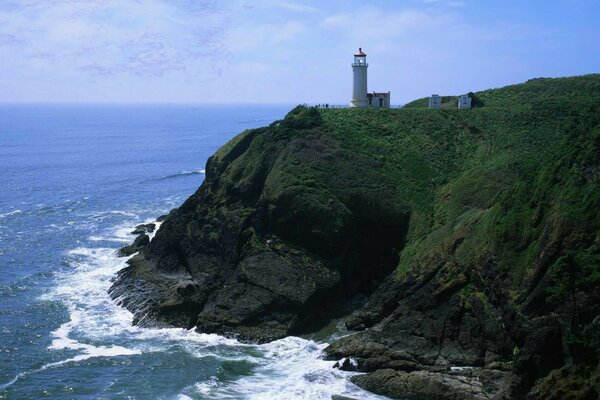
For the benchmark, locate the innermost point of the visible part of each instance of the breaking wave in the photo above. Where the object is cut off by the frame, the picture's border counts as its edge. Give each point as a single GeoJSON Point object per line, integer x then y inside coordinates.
{"type": "Point", "coordinates": [8, 214]}
{"type": "Point", "coordinates": [290, 368]}
{"type": "Point", "coordinates": [183, 174]}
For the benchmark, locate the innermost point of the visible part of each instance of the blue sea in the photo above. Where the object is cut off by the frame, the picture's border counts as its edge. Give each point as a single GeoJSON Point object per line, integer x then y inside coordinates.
{"type": "Point", "coordinates": [74, 181]}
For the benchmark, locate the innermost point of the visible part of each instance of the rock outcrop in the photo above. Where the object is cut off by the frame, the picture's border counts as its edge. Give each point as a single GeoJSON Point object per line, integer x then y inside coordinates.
{"type": "Point", "coordinates": [282, 231]}
{"type": "Point", "coordinates": [476, 384]}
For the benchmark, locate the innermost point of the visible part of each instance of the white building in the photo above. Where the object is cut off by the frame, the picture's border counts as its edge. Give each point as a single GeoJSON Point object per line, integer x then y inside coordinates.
{"type": "Point", "coordinates": [435, 101]}
{"type": "Point", "coordinates": [379, 100]}
{"type": "Point", "coordinates": [464, 101]}
{"type": "Point", "coordinates": [360, 96]}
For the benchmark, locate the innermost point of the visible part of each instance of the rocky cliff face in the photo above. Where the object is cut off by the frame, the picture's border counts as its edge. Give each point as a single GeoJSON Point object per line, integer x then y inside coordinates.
{"type": "Point", "coordinates": [475, 233]}
{"type": "Point", "coordinates": [285, 228]}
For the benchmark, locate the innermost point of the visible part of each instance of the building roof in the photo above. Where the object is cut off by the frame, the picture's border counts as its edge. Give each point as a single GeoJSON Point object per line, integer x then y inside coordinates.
{"type": "Point", "coordinates": [360, 53]}
{"type": "Point", "coordinates": [376, 94]}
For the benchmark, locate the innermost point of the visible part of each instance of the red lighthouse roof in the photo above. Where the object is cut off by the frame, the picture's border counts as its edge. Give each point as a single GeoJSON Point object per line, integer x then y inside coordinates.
{"type": "Point", "coordinates": [360, 53]}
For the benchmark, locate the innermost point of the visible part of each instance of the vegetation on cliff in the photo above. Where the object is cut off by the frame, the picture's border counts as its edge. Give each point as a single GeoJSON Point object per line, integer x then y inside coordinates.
{"type": "Point", "coordinates": [475, 232]}
{"type": "Point", "coordinates": [504, 229]}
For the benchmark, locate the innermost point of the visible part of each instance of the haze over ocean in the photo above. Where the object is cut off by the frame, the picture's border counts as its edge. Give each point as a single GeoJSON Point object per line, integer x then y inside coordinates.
{"type": "Point", "coordinates": [74, 180]}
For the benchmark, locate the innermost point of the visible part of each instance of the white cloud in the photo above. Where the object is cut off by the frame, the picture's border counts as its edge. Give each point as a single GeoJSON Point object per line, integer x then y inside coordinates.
{"type": "Point", "coordinates": [250, 37]}
{"type": "Point", "coordinates": [257, 50]}
{"type": "Point", "coordinates": [444, 3]}
{"type": "Point", "coordinates": [284, 5]}
{"type": "Point", "coordinates": [141, 37]}
{"type": "Point", "coordinates": [382, 29]}
{"type": "Point", "coordinates": [295, 7]}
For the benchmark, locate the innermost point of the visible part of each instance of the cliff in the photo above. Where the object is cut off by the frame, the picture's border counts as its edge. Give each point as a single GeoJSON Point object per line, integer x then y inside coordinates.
{"type": "Point", "coordinates": [475, 234]}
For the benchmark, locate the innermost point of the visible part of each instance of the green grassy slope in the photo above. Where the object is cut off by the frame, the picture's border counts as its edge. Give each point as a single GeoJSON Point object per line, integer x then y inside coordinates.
{"type": "Point", "coordinates": [525, 165]}
{"type": "Point", "coordinates": [504, 204]}
{"type": "Point", "coordinates": [544, 92]}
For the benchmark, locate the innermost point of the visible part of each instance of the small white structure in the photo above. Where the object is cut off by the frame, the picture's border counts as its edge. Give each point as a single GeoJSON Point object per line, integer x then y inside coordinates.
{"type": "Point", "coordinates": [360, 96]}
{"type": "Point", "coordinates": [464, 101]}
{"type": "Point", "coordinates": [379, 100]}
{"type": "Point", "coordinates": [435, 101]}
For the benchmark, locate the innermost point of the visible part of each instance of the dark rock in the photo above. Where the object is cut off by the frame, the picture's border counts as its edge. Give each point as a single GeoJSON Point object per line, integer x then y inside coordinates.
{"type": "Point", "coordinates": [143, 228]}
{"type": "Point", "coordinates": [138, 244]}
{"type": "Point", "coordinates": [573, 383]}
{"type": "Point", "coordinates": [422, 385]}
{"type": "Point", "coordinates": [542, 352]}
{"type": "Point", "coordinates": [162, 218]}
{"type": "Point", "coordinates": [346, 364]}
{"type": "Point", "coordinates": [266, 254]}
{"type": "Point", "coordinates": [429, 327]}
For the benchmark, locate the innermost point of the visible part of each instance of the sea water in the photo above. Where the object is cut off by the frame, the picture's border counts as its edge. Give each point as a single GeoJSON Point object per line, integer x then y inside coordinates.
{"type": "Point", "coordinates": [74, 180]}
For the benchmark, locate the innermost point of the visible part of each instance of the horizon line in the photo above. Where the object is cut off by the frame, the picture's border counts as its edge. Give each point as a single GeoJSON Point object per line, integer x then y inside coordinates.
{"type": "Point", "coordinates": [191, 104]}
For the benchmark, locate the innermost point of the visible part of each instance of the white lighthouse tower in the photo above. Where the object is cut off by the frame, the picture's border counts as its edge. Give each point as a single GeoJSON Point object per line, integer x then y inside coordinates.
{"type": "Point", "coordinates": [359, 73]}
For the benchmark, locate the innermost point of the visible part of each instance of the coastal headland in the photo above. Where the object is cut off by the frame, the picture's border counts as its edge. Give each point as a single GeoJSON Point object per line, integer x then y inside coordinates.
{"type": "Point", "coordinates": [466, 243]}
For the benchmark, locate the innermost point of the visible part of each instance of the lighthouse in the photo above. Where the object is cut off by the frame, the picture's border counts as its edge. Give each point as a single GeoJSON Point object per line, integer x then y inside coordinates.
{"type": "Point", "coordinates": [359, 74]}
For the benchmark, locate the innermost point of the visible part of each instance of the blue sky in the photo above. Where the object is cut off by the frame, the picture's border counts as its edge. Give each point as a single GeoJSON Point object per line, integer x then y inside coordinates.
{"type": "Point", "coordinates": [284, 51]}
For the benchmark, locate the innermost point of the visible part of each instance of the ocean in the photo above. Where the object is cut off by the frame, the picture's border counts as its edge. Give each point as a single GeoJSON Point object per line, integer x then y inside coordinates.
{"type": "Point", "coordinates": [74, 181]}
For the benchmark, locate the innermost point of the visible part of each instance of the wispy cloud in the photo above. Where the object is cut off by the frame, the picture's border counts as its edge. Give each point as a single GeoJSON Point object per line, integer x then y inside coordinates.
{"type": "Point", "coordinates": [280, 50]}
{"type": "Point", "coordinates": [145, 37]}
{"type": "Point", "coordinates": [295, 7]}
{"type": "Point", "coordinates": [444, 3]}
{"type": "Point", "coordinates": [288, 6]}
{"type": "Point", "coordinates": [265, 36]}
{"type": "Point", "coordinates": [394, 24]}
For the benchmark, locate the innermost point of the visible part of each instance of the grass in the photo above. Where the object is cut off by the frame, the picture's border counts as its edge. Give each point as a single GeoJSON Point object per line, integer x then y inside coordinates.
{"type": "Point", "coordinates": [523, 165]}
{"type": "Point", "coordinates": [508, 180]}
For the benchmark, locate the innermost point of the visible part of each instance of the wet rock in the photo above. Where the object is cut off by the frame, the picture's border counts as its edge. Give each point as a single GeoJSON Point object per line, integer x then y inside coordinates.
{"type": "Point", "coordinates": [423, 385]}
{"type": "Point", "coordinates": [346, 364]}
{"type": "Point", "coordinates": [144, 228]}
{"type": "Point", "coordinates": [138, 244]}
{"type": "Point", "coordinates": [162, 218]}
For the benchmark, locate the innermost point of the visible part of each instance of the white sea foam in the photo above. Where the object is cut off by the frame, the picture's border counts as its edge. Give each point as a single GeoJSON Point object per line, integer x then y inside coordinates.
{"type": "Point", "coordinates": [193, 172]}
{"type": "Point", "coordinates": [290, 368]}
{"type": "Point", "coordinates": [94, 315]}
{"type": "Point", "coordinates": [100, 215]}
{"type": "Point", "coordinates": [123, 233]}
{"type": "Point", "coordinates": [8, 214]}
{"type": "Point", "coordinates": [95, 238]}
{"type": "Point", "coordinates": [183, 173]}
{"type": "Point", "coordinates": [89, 352]}
{"type": "Point", "coordinates": [460, 368]}
{"type": "Point", "coordinates": [63, 341]}
{"type": "Point", "coordinates": [156, 228]}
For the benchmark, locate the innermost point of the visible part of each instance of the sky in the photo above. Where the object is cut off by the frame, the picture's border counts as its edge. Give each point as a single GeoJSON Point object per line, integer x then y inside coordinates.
{"type": "Point", "coordinates": [284, 51]}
